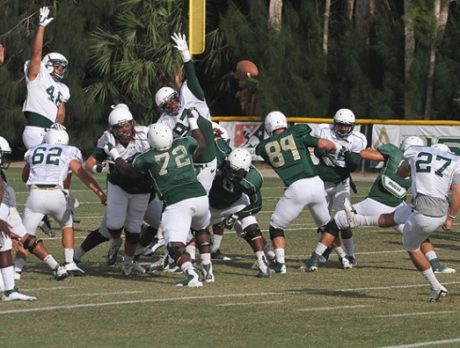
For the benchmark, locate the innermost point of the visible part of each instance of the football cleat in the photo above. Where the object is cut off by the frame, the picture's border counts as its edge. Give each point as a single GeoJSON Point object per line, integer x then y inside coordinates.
{"type": "Point", "coordinates": [262, 274]}
{"type": "Point", "coordinates": [346, 264]}
{"type": "Point", "coordinates": [435, 295]}
{"type": "Point", "coordinates": [112, 252]}
{"type": "Point", "coordinates": [17, 275]}
{"type": "Point", "coordinates": [15, 295]}
{"type": "Point", "coordinates": [278, 267]}
{"type": "Point", "coordinates": [60, 273]}
{"type": "Point", "coordinates": [154, 246]}
{"type": "Point", "coordinates": [208, 275]}
{"type": "Point", "coordinates": [310, 265]}
{"type": "Point", "coordinates": [219, 256]}
{"type": "Point", "coordinates": [73, 269]}
{"type": "Point", "coordinates": [46, 228]}
{"type": "Point", "coordinates": [438, 267]}
{"type": "Point", "coordinates": [192, 280]}
{"type": "Point", "coordinates": [352, 260]}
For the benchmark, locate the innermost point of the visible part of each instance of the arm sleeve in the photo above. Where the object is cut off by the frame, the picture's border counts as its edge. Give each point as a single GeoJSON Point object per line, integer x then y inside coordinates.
{"type": "Point", "coordinates": [192, 81]}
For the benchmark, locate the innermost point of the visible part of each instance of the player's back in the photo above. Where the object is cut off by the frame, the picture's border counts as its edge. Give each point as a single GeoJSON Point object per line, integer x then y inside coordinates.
{"type": "Point", "coordinates": [432, 170]}
{"type": "Point", "coordinates": [49, 163]}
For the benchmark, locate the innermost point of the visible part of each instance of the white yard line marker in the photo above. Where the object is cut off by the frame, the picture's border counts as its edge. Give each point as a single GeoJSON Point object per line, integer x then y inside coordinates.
{"type": "Point", "coordinates": [401, 315]}
{"type": "Point", "coordinates": [247, 303]}
{"type": "Point", "coordinates": [48, 289]}
{"type": "Point", "coordinates": [314, 309]}
{"type": "Point", "coordinates": [106, 293]}
{"type": "Point", "coordinates": [426, 344]}
{"type": "Point", "coordinates": [390, 287]}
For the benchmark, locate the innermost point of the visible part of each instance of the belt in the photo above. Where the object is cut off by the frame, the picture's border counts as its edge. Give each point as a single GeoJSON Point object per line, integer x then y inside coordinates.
{"type": "Point", "coordinates": [46, 187]}
{"type": "Point", "coordinates": [201, 165]}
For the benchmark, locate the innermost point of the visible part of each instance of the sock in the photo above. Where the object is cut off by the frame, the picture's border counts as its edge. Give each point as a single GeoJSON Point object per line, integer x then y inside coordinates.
{"type": "Point", "coordinates": [431, 278]}
{"type": "Point", "coordinates": [205, 258]}
{"type": "Point", "coordinates": [348, 246]}
{"type": "Point", "coordinates": [19, 264]}
{"type": "Point", "coordinates": [430, 255]}
{"type": "Point", "coordinates": [186, 266]}
{"type": "Point", "coordinates": [340, 253]}
{"type": "Point", "coordinates": [8, 277]}
{"type": "Point", "coordinates": [280, 256]}
{"type": "Point", "coordinates": [320, 248]}
{"type": "Point", "coordinates": [51, 262]}
{"type": "Point", "coordinates": [68, 255]}
{"type": "Point", "coordinates": [191, 249]}
{"type": "Point", "coordinates": [78, 253]}
{"type": "Point", "coordinates": [216, 241]}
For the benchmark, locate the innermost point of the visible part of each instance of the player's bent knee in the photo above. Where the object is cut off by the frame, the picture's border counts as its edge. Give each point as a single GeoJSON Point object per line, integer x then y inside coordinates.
{"type": "Point", "coordinates": [331, 227]}
{"type": "Point", "coordinates": [276, 232]}
{"type": "Point", "coordinates": [252, 232]}
{"type": "Point", "coordinates": [31, 243]}
{"type": "Point", "coordinates": [132, 238]}
{"type": "Point", "coordinates": [176, 250]}
{"type": "Point", "coordinates": [202, 238]}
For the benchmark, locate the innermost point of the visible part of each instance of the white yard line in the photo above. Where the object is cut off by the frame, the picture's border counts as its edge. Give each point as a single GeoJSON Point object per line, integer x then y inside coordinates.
{"type": "Point", "coordinates": [247, 303]}
{"type": "Point", "coordinates": [106, 293]}
{"type": "Point", "coordinates": [426, 344]}
{"type": "Point", "coordinates": [332, 308]}
{"type": "Point", "coordinates": [188, 298]}
{"type": "Point", "coordinates": [411, 314]}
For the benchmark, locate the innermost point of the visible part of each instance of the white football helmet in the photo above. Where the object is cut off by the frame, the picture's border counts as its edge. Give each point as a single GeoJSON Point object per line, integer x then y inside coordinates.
{"type": "Point", "coordinates": [56, 65]}
{"type": "Point", "coordinates": [160, 136]}
{"type": "Point", "coordinates": [57, 134]}
{"type": "Point", "coordinates": [409, 141]}
{"type": "Point", "coordinates": [238, 163]}
{"type": "Point", "coordinates": [118, 118]}
{"type": "Point", "coordinates": [164, 98]}
{"type": "Point", "coordinates": [5, 153]}
{"type": "Point", "coordinates": [441, 147]}
{"type": "Point", "coordinates": [344, 117]}
{"type": "Point", "coordinates": [275, 120]}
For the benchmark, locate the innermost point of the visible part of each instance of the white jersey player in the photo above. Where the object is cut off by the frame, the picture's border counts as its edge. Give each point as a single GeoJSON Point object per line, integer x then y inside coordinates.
{"type": "Point", "coordinates": [46, 94]}
{"type": "Point", "coordinates": [127, 197]}
{"type": "Point", "coordinates": [434, 172]}
{"type": "Point", "coordinates": [47, 166]}
{"type": "Point", "coordinates": [335, 168]}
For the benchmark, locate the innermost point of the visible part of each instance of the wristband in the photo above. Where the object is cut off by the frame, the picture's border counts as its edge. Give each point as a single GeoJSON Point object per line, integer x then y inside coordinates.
{"type": "Point", "coordinates": [114, 153]}
{"type": "Point", "coordinates": [186, 56]}
{"type": "Point", "coordinates": [193, 123]}
{"type": "Point", "coordinates": [451, 217]}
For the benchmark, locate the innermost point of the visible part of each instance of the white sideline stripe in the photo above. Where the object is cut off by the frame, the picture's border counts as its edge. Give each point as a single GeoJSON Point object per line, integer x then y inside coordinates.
{"type": "Point", "coordinates": [47, 289]}
{"type": "Point", "coordinates": [411, 314]}
{"type": "Point", "coordinates": [106, 293]}
{"type": "Point", "coordinates": [247, 303]}
{"type": "Point", "coordinates": [172, 299]}
{"type": "Point", "coordinates": [331, 308]}
{"type": "Point", "coordinates": [426, 344]}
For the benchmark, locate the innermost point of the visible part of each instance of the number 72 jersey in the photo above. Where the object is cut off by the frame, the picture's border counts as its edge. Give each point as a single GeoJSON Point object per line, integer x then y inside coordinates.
{"type": "Point", "coordinates": [49, 163]}
{"type": "Point", "coordinates": [431, 170]}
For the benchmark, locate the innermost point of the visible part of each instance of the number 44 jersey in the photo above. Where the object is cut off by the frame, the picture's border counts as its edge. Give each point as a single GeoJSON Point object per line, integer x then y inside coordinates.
{"type": "Point", "coordinates": [49, 163]}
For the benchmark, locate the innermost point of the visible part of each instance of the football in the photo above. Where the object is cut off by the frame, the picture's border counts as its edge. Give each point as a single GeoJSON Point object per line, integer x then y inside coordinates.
{"type": "Point", "coordinates": [247, 68]}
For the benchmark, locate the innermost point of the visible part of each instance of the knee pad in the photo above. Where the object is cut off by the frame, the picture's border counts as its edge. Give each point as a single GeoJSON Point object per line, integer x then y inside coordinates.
{"type": "Point", "coordinates": [176, 250]}
{"type": "Point", "coordinates": [202, 238]}
{"type": "Point", "coordinates": [331, 227]}
{"type": "Point", "coordinates": [31, 243]}
{"type": "Point", "coordinates": [132, 238]}
{"type": "Point", "coordinates": [276, 232]}
{"type": "Point", "coordinates": [252, 232]}
{"type": "Point", "coordinates": [115, 233]}
{"type": "Point", "coordinates": [346, 233]}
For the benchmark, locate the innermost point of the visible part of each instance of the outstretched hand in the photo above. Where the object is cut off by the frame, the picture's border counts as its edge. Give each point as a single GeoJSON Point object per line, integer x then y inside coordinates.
{"type": "Point", "coordinates": [181, 44]}
{"type": "Point", "coordinates": [44, 20]}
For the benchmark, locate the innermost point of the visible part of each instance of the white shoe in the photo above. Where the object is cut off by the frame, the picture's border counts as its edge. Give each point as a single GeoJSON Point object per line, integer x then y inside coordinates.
{"type": "Point", "coordinates": [192, 280]}
{"type": "Point", "coordinates": [435, 295]}
{"type": "Point", "coordinates": [137, 267]}
{"type": "Point", "coordinates": [445, 270]}
{"type": "Point", "coordinates": [17, 275]}
{"type": "Point", "coordinates": [346, 264]}
{"type": "Point", "coordinates": [347, 207]}
{"type": "Point", "coordinates": [60, 273]}
{"type": "Point", "coordinates": [73, 269]}
{"type": "Point", "coordinates": [15, 295]}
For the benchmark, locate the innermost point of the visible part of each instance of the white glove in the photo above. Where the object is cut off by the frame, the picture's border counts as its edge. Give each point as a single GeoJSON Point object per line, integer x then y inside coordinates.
{"type": "Point", "coordinates": [192, 117]}
{"type": "Point", "coordinates": [111, 139]}
{"type": "Point", "coordinates": [43, 17]}
{"type": "Point", "coordinates": [111, 151]}
{"type": "Point", "coordinates": [181, 44]}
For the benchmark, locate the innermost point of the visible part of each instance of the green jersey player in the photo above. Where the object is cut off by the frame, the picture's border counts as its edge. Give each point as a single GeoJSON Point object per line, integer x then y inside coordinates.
{"type": "Point", "coordinates": [286, 151]}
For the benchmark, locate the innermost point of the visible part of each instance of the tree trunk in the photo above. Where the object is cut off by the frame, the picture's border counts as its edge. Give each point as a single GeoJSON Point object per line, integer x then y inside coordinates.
{"type": "Point", "coordinates": [327, 12]}
{"type": "Point", "coordinates": [409, 50]}
{"type": "Point", "coordinates": [349, 10]}
{"type": "Point", "coordinates": [275, 12]}
{"type": "Point", "coordinates": [441, 12]}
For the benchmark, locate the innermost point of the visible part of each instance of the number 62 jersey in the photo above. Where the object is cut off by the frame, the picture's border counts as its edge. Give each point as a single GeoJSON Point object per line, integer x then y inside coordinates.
{"type": "Point", "coordinates": [49, 163]}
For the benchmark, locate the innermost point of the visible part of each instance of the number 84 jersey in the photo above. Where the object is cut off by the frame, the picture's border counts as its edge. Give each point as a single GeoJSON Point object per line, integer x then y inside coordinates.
{"type": "Point", "coordinates": [49, 163]}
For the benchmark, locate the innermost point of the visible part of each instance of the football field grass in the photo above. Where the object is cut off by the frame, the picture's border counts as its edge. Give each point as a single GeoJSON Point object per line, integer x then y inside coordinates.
{"type": "Point", "coordinates": [380, 303]}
